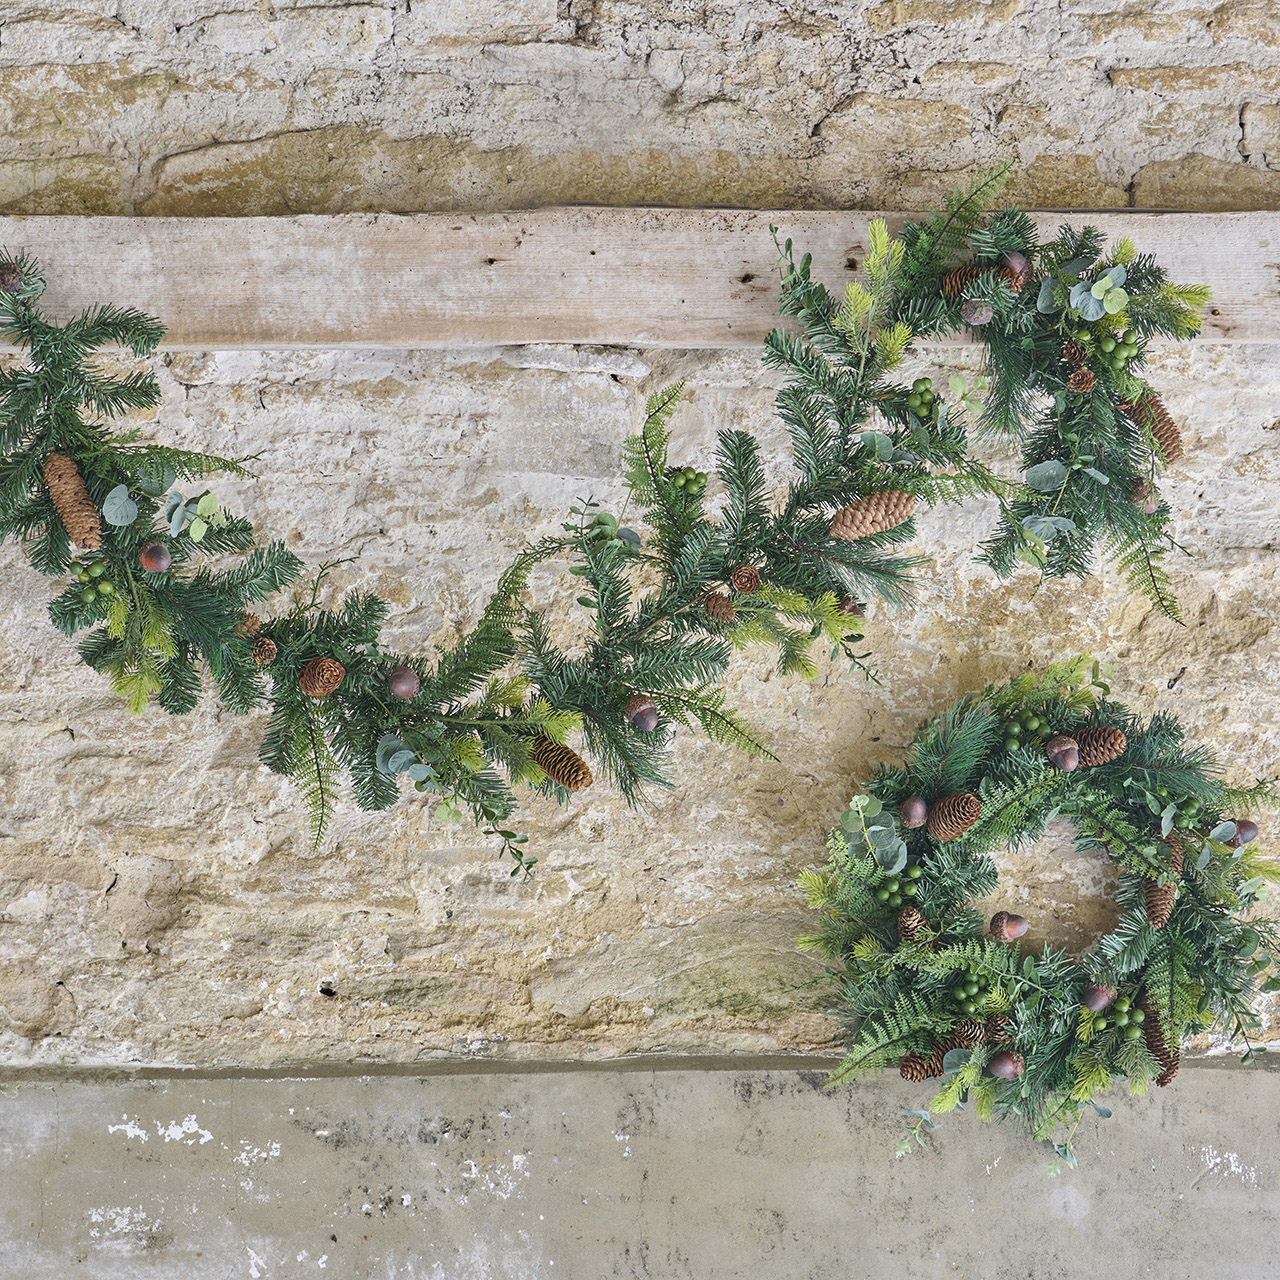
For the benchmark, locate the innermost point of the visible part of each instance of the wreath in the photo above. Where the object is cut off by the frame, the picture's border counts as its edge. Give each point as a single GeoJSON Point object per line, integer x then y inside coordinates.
{"type": "Point", "coordinates": [924, 984]}
{"type": "Point", "coordinates": [142, 558]}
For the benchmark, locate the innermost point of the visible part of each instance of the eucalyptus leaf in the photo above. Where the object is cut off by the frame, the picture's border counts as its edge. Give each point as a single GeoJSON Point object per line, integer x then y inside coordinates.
{"type": "Point", "coordinates": [1117, 274]}
{"type": "Point", "coordinates": [199, 527]}
{"type": "Point", "coordinates": [207, 505]}
{"type": "Point", "coordinates": [1105, 1112]}
{"type": "Point", "coordinates": [171, 503]}
{"type": "Point", "coordinates": [879, 444]}
{"type": "Point", "coordinates": [1078, 266]}
{"type": "Point", "coordinates": [1048, 527]}
{"type": "Point", "coordinates": [630, 537]}
{"type": "Point", "coordinates": [954, 1059]}
{"type": "Point", "coordinates": [178, 518]}
{"type": "Point", "coordinates": [891, 861]}
{"type": "Point", "coordinates": [1092, 309]}
{"type": "Point", "coordinates": [1223, 832]}
{"type": "Point", "coordinates": [388, 745]}
{"type": "Point", "coordinates": [1203, 860]}
{"type": "Point", "coordinates": [420, 772]}
{"type": "Point", "coordinates": [1167, 818]}
{"type": "Point", "coordinates": [1251, 886]}
{"type": "Point", "coordinates": [1079, 293]}
{"type": "Point", "coordinates": [1046, 476]}
{"type": "Point", "coordinates": [155, 478]}
{"type": "Point", "coordinates": [118, 508]}
{"type": "Point", "coordinates": [1115, 301]}
{"type": "Point", "coordinates": [400, 760]}
{"type": "Point", "coordinates": [1097, 475]}
{"type": "Point", "coordinates": [1045, 303]}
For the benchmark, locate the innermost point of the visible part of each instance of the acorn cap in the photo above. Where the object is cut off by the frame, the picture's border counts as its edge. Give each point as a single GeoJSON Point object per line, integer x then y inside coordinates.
{"type": "Point", "coordinates": [1005, 926]}
{"type": "Point", "coordinates": [913, 812]}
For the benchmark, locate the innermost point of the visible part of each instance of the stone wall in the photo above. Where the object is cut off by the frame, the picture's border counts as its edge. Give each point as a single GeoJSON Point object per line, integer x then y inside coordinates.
{"type": "Point", "coordinates": [158, 902]}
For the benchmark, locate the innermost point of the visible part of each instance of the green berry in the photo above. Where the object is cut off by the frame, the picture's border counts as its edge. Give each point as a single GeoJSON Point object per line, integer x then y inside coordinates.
{"type": "Point", "coordinates": [701, 478]}
{"type": "Point", "coordinates": [1100, 1023]}
{"type": "Point", "coordinates": [1011, 744]}
{"type": "Point", "coordinates": [1129, 337]}
{"type": "Point", "coordinates": [82, 575]}
{"type": "Point", "coordinates": [88, 595]}
{"type": "Point", "coordinates": [1132, 1032]}
{"type": "Point", "coordinates": [921, 385]}
{"type": "Point", "coordinates": [915, 872]}
{"type": "Point", "coordinates": [106, 589]}
{"type": "Point", "coordinates": [968, 1006]}
{"type": "Point", "coordinates": [1122, 1019]}
{"type": "Point", "coordinates": [1124, 1004]}
{"type": "Point", "coordinates": [892, 884]}
{"type": "Point", "coordinates": [1013, 729]}
{"type": "Point", "coordinates": [1032, 723]}
{"type": "Point", "coordinates": [909, 890]}
{"type": "Point", "coordinates": [97, 569]}
{"type": "Point", "coordinates": [971, 988]}
{"type": "Point", "coordinates": [678, 480]}
{"type": "Point", "coordinates": [882, 895]}
{"type": "Point", "coordinates": [895, 900]}
{"type": "Point", "coordinates": [915, 403]}
{"type": "Point", "coordinates": [1107, 344]}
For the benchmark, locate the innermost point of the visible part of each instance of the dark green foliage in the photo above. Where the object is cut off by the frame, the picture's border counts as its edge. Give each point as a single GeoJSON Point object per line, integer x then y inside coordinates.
{"type": "Point", "coordinates": [899, 995]}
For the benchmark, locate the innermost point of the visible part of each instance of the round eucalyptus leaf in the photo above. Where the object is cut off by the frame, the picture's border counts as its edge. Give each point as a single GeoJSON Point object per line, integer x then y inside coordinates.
{"type": "Point", "coordinates": [954, 1059]}
{"type": "Point", "coordinates": [420, 772]}
{"type": "Point", "coordinates": [120, 509]}
{"type": "Point", "coordinates": [400, 760]}
{"type": "Point", "coordinates": [1223, 832]}
{"type": "Point", "coordinates": [388, 745]}
{"type": "Point", "coordinates": [1115, 301]}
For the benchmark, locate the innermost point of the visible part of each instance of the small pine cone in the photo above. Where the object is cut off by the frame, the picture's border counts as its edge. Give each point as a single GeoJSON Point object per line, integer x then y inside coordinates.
{"type": "Point", "coordinates": [912, 925]}
{"type": "Point", "coordinates": [914, 1068]}
{"type": "Point", "coordinates": [1074, 353]}
{"type": "Point", "coordinates": [969, 1033]}
{"type": "Point", "coordinates": [1165, 1054]}
{"type": "Point", "coordinates": [249, 625]}
{"type": "Point", "coordinates": [1150, 413]}
{"type": "Point", "coordinates": [264, 651]}
{"type": "Point", "coordinates": [745, 580]}
{"type": "Point", "coordinates": [718, 607]}
{"type": "Point", "coordinates": [874, 514]}
{"type": "Point", "coordinates": [11, 277]}
{"type": "Point", "coordinates": [321, 676]}
{"type": "Point", "coordinates": [1161, 897]}
{"type": "Point", "coordinates": [998, 1029]}
{"type": "Point", "coordinates": [1081, 382]}
{"type": "Point", "coordinates": [562, 765]}
{"type": "Point", "coordinates": [71, 500]}
{"type": "Point", "coordinates": [953, 815]}
{"type": "Point", "coordinates": [1099, 746]}
{"type": "Point", "coordinates": [956, 281]}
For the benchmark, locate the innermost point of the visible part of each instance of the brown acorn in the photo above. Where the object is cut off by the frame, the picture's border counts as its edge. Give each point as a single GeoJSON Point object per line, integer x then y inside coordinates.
{"type": "Point", "coordinates": [1145, 496]}
{"type": "Point", "coordinates": [642, 712]}
{"type": "Point", "coordinates": [745, 580]}
{"type": "Point", "coordinates": [1006, 927]}
{"type": "Point", "coordinates": [1007, 1065]}
{"type": "Point", "coordinates": [155, 557]}
{"type": "Point", "coordinates": [975, 313]}
{"type": "Point", "coordinates": [403, 683]}
{"type": "Point", "coordinates": [913, 812]}
{"type": "Point", "coordinates": [1063, 752]}
{"type": "Point", "coordinates": [11, 277]}
{"type": "Point", "coordinates": [1099, 745]}
{"type": "Point", "coordinates": [848, 605]}
{"type": "Point", "coordinates": [1097, 996]}
{"type": "Point", "coordinates": [1016, 269]}
{"type": "Point", "coordinates": [321, 677]}
{"type": "Point", "coordinates": [950, 817]}
{"type": "Point", "coordinates": [1246, 833]}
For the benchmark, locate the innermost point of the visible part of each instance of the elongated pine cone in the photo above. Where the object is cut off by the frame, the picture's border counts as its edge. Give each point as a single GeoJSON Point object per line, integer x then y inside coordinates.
{"type": "Point", "coordinates": [72, 502]}
{"type": "Point", "coordinates": [562, 765]}
{"type": "Point", "coordinates": [1166, 1055]}
{"type": "Point", "coordinates": [1074, 353]}
{"type": "Point", "coordinates": [912, 925]}
{"type": "Point", "coordinates": [321, 676]}
{"type": "Point", "coordinates": [953, 815]}
{"type": "Point", "coordinates": [914, 1068]}
{"type": "Point", "coordinates": [1150, 412]}
{"type": "Point", "coordinates": [1161, 897]}
{"type": "Point", "coordinates": [718, 607]}
{"type": "Point", "coordinates": [1099, 746]}
{"type": "Point", "coordinates": [745, 580]}
{"type": "Point", "coordinates": [1081, 382]}
{"type": "Point", "coordinates": [998, 1028]}
{"type": "Point", "coordinates": [956, 281]}
{"type": "Point", "coordinates": [969, 1032]}
{"type": "Point", "coordinates": [874, 514]}
{"type": "Point", "coordinates": [249, 625]}
{"type": "Point", "coordinates": [264, 651]}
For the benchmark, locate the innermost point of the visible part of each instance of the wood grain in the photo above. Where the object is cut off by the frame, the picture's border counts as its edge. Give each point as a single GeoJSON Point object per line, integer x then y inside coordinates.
{"type": "Point", "coordinates": [629, 277]}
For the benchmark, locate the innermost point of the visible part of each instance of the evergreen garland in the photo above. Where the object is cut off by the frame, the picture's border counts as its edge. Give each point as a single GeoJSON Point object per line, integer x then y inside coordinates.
{"type": "Point", "coordinates": [1038, 1036]}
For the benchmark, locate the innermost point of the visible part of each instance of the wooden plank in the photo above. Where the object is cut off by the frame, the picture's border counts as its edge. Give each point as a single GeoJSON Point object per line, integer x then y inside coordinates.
{"type": "Point", "coordinates": [628, 277]}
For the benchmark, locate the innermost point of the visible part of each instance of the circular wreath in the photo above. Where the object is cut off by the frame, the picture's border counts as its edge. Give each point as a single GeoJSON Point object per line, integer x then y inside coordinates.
{"type": "Point", "coordinates": [926, 985]}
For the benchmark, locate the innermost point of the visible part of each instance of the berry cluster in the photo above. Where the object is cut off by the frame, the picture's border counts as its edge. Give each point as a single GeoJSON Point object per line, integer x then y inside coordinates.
{"type": "Point", "coordinates": [897, 888]}
{"type": "Point", "coordinates": [970, 989]}
{"type": "Point", "coordinates": [1025, 728]}
{"type": "Point", "coordinates": [922, 401]}
{"type": "Point", "coordinates": [688, 478]}
{"type": "Point", "coordinates": [91, 572]}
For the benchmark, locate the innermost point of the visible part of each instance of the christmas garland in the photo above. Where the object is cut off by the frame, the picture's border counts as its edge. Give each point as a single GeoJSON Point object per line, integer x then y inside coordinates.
{"type": "Point", "coordinates": [924, 985]}
{"type": "Point", "coordinates": [496, 711]}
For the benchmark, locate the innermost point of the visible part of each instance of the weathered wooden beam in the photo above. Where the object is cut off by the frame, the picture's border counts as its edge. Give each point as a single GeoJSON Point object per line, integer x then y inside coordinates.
{"type": "Point", "coordinates": [628, 277]}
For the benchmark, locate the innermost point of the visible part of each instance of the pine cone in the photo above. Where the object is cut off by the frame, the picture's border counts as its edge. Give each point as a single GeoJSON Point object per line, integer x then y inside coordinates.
{"type": "Point", "coordinates": [264, 651]}
{"type": "Point", "coordinates": [1099, 745]}
{"type": "Point", "coordinates": [562, 765]}
{"type": "Point", "coordinates": [1074, 353]}
{"type": "Point", "coordinates": [956, 281]}
{"type": "Point", "coordinates": [321, 676]}
{"type": "Point", "coordinates": [912, 925]}
{"type": "Point", "coordinates": [1166, 1055]}
{"type": "Point", "coordinates": [71, 500]}
{"type": "Point", "coordinates": [953, 815]}
{"type": "Point", "coordinates": [1081, 382]}
{"type": "Point", "coordinates": [1161, 897]}
{"type": "Point", "coordinates": [249, 624]}
{"type": "Point", "coordinates": [998, 1029]}
{"type": "Point", "coordinates": [969, 1033]}
{"type": "Point", "coordinates": [11, 277]}
{"type": "Point", "coordinates": [914, 1068]}
{"type": "Point", "coordinates": [1150, 413]}
{"type": "Point", "coordinates": [941, 1047]}
{"type": "Point", "coordinates": [745, 580]}
{"type": "Point", "coordinates": [874, 514]}
{"type": "Point", "coordinates": [718, 607]}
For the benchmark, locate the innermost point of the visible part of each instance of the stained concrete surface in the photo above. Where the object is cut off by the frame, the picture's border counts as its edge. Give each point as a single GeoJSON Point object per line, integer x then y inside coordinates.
{"type": "Point", "coordinates": [574, 1175]}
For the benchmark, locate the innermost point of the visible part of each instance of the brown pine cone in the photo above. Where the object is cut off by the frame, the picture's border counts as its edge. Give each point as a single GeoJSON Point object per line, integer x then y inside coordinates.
{"type": "Point", "coordinates": [264, 651]}
{"type": "Point", "coordinates": [941, 1048]}
{"type": "Point", "coordinates": [1081, 382]}
{"type": "Point", "coordinates": [969, 1032]}
{"type": "Point", "coordinates": [72, 502]}
{"type": "Point", "coordinates": [873, 514]}
{"type": "Point", "coordinates": [1150, 413]}
{"type": "Point", "coordinates": [718, 607]}
{"type": "Point", "coordinates": [1165, 1054]}
{"type": "Point", "coordinates": [1099, 745]}
{"type": "Point", "coordinates": [1161, 897]}
{"type": "Point", "coordinates": [998, 1028]}
{"type": "Point", "coordinates": [562, 765]}
{"type": "Point", "coordinates": [745, 580]}
{"type": "Point", "coordinates": [957, 280]}
{"type": "Point", "coordinates": [1074, 353]}
{"type": "Point", "coordinates": [914, 1068]}
{"type": "Point", "coordinates": [249, 625]}
{"type": "Point", "coordinates": [321, 676]}
{"type": "Point", "coordinates": [952, 816]}
{"type": "Point", "coordinates": [912, 925]}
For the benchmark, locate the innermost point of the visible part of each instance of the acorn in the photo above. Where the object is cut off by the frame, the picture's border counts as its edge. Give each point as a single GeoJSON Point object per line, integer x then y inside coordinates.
{"type": "Point", "coordinates": [1019, 264]}
{"type": "Point", "coordinates": [850, 607]}
{"type": "Point", "coordinates": [913, 812]}
{"type": "Point", "coordinates": [1097, 996]}
{"type": "Point", "coordinates": [155, 557]}
{"type": "Point", "coordinates": [1063, 753]}
{"type": "Point", "coordinates": [1144, 495]}
{"type": "Point", "coordinates": [642, 712]}
{"type": "Point", "coordinates": [1005, 926]}
{"type": "Point", "coordinates": [403, 683]}
{"type": "Point", "coordinates": [1246, 833]}
{"type": "Point", "coordinates": [975, 312]}
{"type": "Point", "coordinates": [1007, 1065]}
